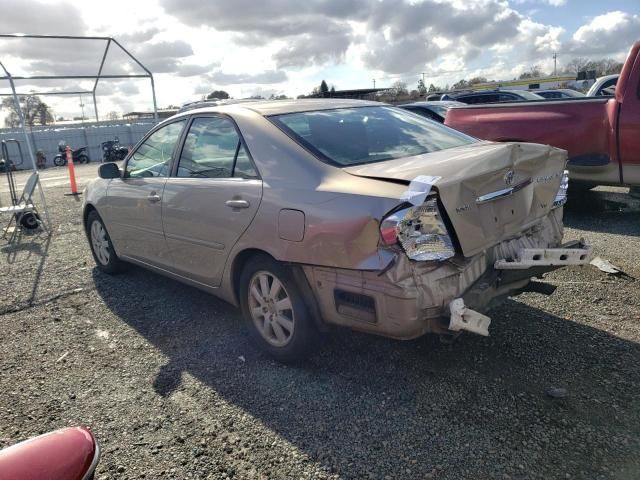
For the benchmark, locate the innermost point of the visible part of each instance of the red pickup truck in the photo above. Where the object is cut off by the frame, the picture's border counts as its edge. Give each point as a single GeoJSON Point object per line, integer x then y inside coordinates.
{"type": "Point", "coordinates": [602, 135]}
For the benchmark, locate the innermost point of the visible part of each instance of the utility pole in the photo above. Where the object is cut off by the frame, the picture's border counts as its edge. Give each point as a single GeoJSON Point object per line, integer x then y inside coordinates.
{"type": "Point", "coordinates": [82, 107]}
{"type": "Point", "coordinates": [374, 83]}
{"type": "Point", "coordinates": [423, 74]}
{"type": "Point", "coordinates": [555, 69]}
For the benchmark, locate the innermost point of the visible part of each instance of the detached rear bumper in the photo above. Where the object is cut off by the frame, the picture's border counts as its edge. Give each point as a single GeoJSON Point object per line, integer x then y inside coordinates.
{"type": "Point", "coordinates": [413, 298]}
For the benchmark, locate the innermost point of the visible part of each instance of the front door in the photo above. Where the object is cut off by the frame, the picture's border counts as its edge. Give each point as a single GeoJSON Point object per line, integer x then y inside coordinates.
{"type": "Point", "coordinates": [135, 201]}
{"type": "Point", "coordinates": [210, 200]}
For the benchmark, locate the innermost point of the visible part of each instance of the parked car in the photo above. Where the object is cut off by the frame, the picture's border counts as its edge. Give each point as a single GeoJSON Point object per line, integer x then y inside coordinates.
{"type": "Point", "coordinates": [558, 93]}
{"type": "Point", "coordinates": [313, 213]}
{"type": "Point", "coordinates": [600, 133]}
{"type": "Point", "coordinates": [604, 86]}
{"type": "Point", "coordinates": [491, 96]}
{"type": "Point", "coordinates": [434, 110]}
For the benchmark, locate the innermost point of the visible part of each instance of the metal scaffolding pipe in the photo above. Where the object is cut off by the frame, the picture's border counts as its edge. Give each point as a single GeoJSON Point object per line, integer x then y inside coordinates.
{"type": "Point", "coordinates": [16, 102]}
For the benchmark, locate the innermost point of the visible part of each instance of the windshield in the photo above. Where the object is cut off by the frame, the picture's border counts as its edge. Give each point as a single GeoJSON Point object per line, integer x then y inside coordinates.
{"type": "Point", "coordinates": [352, 136]}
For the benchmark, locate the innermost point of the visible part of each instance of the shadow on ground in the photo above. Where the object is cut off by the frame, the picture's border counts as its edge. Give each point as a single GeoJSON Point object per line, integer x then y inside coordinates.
{"type": "Point", "coordinates": [603, 211]}
{"type": "Point", "coordinates": [368, 404]}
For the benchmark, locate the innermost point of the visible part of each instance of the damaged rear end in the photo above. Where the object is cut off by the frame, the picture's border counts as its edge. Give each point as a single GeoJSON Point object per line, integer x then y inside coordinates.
{"type": "Point", "coordinates": [475, 224]}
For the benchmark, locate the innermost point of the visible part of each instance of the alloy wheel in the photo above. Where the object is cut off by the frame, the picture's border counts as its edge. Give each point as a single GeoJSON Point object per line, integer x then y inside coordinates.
{"type": "Point", "coordinates": [100, 242]}
{"type": "Point", "coordinates": [271, 308]}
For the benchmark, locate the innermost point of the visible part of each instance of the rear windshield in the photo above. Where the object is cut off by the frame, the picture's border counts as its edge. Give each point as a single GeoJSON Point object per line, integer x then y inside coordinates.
{"type": "Point", "coordinates": [352, 136]}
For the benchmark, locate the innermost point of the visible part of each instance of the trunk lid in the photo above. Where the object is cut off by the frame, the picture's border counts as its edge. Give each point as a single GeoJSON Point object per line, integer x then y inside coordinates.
{"type": "Point", "coordinates": [490, 191]}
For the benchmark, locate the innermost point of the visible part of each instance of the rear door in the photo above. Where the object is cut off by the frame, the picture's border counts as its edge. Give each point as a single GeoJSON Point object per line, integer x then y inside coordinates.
{"type": "Point", "coordinates": [134, 212]}
{"type": "Point", "coordinates": [210, 199]}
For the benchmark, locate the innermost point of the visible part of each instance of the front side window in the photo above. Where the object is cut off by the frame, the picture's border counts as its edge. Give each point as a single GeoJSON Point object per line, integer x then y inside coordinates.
{"type": "Point", "coordinates": [352, 136]}
{"type": "Point", "coordinates": [153, 157]}
{"type": "Point", "coordinates": [213, 149]}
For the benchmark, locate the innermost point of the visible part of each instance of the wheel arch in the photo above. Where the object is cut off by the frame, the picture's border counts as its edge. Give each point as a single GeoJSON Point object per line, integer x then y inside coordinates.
{"type": "Point", "coordinates": [246, 255]}
{"type": "Point", "coordinates": [88, 208]}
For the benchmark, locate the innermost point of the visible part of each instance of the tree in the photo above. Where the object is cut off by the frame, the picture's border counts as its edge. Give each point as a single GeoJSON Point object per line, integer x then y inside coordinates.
{"type": "Point", "coordinates": [278, 97]}
{"type": "Point", "coordinates": [576, 65]}
{"type": "Point", "coordinates": [218, 95]}
{"type": "Point", "coordinates": [333, 89]}
{"type": "Point", "coordinates": [324, 88]}
{"type": "Point", "coordinates": [476, 80]}
{"type": "Point", "coordinates": [421, 88]}
{"type": "Point", "coordinates": [35, 111]}
{"type": "Point", "coordinates": [459, 85]}
{"type": "Point", "coordinates": [113, 115]}
{"type": "Point", "coordinates": [533, 72]}
{"type": "Point", "coordinates": [433, 88]}
{"type": "Point", "coordinates": [398, 88]}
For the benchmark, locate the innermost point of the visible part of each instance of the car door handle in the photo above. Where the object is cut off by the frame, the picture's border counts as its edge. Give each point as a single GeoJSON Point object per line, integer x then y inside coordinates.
{"type": "Point", "coordinates": [153, 197]}
{"type": "Point", "coordinates": [237, 203]}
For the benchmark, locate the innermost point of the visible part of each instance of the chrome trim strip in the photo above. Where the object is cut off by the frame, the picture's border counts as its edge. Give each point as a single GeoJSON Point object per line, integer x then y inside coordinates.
{"type": "Point", "coordinates": [505, 192]}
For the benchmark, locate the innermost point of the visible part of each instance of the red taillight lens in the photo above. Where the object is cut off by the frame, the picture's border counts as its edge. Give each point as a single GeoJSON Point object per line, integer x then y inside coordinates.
{"type": "Point", "coordinates": [389, 227]}
{"type": "Point", "coordinates": [389, 235]}
{"type": "Point", "coordinates": [420, 231]}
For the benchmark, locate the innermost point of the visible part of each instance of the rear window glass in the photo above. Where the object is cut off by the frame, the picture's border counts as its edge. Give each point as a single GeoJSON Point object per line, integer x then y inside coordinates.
{"type": "Point", "coordinates": [352, 136]}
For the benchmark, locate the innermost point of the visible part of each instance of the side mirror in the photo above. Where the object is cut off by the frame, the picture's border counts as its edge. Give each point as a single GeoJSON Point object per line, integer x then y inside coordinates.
{"type": "Point", "coordinates": [109, 170]}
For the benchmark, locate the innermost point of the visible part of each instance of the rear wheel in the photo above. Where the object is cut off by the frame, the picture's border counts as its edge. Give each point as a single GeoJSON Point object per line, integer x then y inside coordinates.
{"type": "Point", "coordinates": [83, 159]}
{"type": "Point", "coordinates": [59, 161]}
{"type": "Point", "coordinates": [101, 246]}
{"type": "Point", "coordinates": [275, 312]}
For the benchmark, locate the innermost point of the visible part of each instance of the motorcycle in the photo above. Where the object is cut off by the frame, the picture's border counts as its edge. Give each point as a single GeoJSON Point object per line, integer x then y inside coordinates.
{"type": "Point", "coordinates": [79, 155]}
{"type": "Point", "coordinates": [66, 454]}
{"type": "Point", "coordinates": [112, 151]}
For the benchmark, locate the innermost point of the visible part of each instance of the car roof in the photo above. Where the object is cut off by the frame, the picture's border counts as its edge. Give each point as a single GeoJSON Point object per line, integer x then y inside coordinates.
{"type": "Point", "coordinates": [561, 90]}
{"type": "Point", "coordinates": [435, 103]}
{"type": "Point", "coordinates": [279, 107]}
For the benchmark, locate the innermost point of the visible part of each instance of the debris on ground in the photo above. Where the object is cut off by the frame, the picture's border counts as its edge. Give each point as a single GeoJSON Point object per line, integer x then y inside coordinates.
{"type": "Point", "coordinates": [556, 392]}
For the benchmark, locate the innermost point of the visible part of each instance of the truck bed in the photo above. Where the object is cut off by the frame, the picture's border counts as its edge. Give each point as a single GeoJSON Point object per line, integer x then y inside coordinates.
{"type": "Point", "coordinates": [582, 126]}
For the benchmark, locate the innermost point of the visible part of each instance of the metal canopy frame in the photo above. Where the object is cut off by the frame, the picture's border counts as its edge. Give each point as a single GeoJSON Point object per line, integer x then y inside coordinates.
{"type": "Point", "coordinates": [12, 79]}
{"type": "Point", "coordinates": [99, 76]}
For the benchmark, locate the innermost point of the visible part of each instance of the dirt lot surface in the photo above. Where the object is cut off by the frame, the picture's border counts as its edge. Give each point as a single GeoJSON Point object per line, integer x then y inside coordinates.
{"type": "Point", "coordinates": [168, 381]}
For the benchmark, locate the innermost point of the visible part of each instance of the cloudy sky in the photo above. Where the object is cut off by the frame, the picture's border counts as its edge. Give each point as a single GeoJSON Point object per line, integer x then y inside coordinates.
{"type": "Point", "coordinates": [249, 47]}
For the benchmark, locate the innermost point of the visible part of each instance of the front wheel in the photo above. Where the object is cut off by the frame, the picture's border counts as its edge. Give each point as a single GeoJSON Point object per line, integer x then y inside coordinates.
{"type": "Point", "coordinates": [101, 246]}
{"type": "Point", "coordinates": [59, 161]}
{"type": "Point", "coordinates": [275, 311]}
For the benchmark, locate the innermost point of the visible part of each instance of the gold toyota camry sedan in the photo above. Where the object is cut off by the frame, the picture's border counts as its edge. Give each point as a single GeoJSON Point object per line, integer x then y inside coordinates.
{"type": "Point", "coordinates": [313, 213]}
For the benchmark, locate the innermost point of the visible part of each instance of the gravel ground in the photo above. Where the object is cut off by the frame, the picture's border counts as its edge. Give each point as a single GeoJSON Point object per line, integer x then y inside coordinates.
{"type": "Point", "coordinates": [172, 388]}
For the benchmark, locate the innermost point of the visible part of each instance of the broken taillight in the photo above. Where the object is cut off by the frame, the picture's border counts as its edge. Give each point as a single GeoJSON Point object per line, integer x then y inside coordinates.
{"type": "Point", "coordinates": [420, 231]}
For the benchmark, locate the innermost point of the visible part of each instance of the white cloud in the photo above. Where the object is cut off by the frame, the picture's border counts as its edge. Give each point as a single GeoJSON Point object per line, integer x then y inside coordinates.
{"type": "Point", "coordinates": [288, 46]}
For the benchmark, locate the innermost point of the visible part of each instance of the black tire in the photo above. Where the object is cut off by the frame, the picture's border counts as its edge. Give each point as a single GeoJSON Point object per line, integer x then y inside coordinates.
{"type": "Point", "coordinates": [29, 221]}
{"type": "Point", "coordinates": [106, 260]}
{"type": "Point", "coordinates": [83, 159]}
{"type": "Point", "coordinates": [59, 161]}
{"type": "Point", "coordinates": [304, 337]}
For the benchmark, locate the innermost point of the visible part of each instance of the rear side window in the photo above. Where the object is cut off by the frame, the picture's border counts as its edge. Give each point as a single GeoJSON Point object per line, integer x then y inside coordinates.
{"type": "Point", "coordinates": [352, 136]}
{"type": "Point", "coordinates": [213, 149]}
